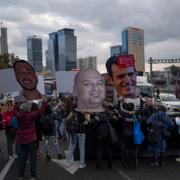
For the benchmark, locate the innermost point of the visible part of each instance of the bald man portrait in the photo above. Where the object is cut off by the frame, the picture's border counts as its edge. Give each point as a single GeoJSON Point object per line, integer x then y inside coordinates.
{"type": "Point", "coordinates": [90, 90]}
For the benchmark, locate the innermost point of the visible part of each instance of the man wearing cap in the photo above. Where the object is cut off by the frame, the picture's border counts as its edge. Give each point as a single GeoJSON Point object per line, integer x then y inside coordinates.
{"type": "Point", "coordinates": [122, 76]}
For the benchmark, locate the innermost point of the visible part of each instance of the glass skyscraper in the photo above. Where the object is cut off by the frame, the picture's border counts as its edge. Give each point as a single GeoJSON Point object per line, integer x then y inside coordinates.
{"type": "Point", "coordinates": [67, 49]}
{"type": "Point", "coordinates": [52, 60]}
{"type": "Point", "coordinates": [34, 53]}
{"type": "Point", "coordinates": [62, 50]}
{"type": "Point", "coordinates": [116, 50]}
{"type": "Point", "coordinates": [133, 43]}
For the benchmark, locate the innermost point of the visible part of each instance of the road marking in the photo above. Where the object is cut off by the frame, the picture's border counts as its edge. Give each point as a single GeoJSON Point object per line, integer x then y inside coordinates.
{"type": "Point", "coordinates": [124, 175]}
{"type": "Point", "coordinates": [6, 168]}
{"type": "Point", "coordinates": [72, 169]}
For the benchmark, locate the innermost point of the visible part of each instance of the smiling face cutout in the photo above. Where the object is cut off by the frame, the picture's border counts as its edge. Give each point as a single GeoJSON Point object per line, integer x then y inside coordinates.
{"type": "Point", "coordinates": [25, 76]}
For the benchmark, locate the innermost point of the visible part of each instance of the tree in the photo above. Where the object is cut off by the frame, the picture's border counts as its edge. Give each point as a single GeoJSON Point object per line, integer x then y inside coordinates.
{"type": "Point", "coordinates": [5, 61]}
{"type": "Point", "coordinates": [175, 70]}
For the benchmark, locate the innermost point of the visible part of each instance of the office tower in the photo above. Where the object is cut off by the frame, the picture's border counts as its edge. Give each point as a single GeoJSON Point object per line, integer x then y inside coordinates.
{"type": "Point", "coordinates": [88, 62]}
{"type": "Point", "coordinates": [133, 43]}
{"type": "Point", "coordinates": [3, 40]}
{"type": "Point", "coordinates": [34, 53]}
{"type": "Point", "coordinates": [62, 51]}
{"type": "Point", "coordinates": [116, 50]}
{"type": "Point", "coordinates": [67, 49]}
{"type": "Point", "coordinates": [48, 64]}
{"type": "Point", "coordinates": [52, 60]}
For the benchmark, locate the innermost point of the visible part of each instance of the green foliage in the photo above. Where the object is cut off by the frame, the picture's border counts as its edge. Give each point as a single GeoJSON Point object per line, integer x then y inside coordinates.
{"type": "Point", "coordinates": [175, 70]}
{"type": "Point", "coordinates": [5, 61]}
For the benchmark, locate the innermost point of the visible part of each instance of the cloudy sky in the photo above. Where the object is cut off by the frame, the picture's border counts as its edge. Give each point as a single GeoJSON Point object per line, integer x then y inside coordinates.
{"type": "Point", "coordinates": [97, 23]}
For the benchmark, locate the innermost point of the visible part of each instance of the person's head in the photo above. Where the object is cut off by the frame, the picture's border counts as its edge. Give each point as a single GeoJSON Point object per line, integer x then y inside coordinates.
{"type": "Point", "coordinates": [48, 109]}
{"type": "Point", "coordinates": [90, 89]}
{"type": "Point", "coordinates": [25, 75]}
{"type": "Point", "coordinates": [8, 106]}
{"type": "Point", "coordinates": [122, 74]}
{"type": "Point", "coordinates": [149, 102]}
{"type": "Point", "coordinates": [70, 104]}
{"type": "Point", "coordinates": [161, 107]}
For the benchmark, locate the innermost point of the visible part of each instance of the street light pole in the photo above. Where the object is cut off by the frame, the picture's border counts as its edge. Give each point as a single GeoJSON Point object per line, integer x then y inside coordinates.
{"type": "Point", "coordinates": [168, 80]}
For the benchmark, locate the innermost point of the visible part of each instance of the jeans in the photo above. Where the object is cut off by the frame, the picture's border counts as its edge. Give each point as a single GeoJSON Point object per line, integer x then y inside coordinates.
{"type": "Point", "coordinates": [61, 129]}
{"type": "Point", "coordinates": [26, 149]}
{"type": "Point", "coordinates": [10, 143]}
{"type": "Point", "coordinates": [80, 137]}
{"type": "Point", "coordinates": [51, 140]}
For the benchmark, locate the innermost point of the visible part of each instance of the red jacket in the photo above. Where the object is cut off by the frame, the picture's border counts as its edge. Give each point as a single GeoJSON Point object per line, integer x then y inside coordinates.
{"type": "Point", "coordinates": [26, 133]}
{"type": "Point", "coordinates": [7, 118]}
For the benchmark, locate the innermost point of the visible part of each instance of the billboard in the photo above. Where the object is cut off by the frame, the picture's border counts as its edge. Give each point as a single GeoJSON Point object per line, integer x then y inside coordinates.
{"type": "Point", "coordinates": [9, 83]}
{"type": "Point", "coordinates": [65, 81]}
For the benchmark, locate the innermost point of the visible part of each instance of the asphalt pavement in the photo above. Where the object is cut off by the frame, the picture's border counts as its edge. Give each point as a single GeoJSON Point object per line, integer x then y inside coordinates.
{"type": "Point", "coordinates": [55, 170]}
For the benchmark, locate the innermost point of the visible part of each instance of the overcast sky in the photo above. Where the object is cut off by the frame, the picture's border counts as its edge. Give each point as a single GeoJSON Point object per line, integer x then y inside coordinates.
{"type": "Point", "coordinates": [97, 23]}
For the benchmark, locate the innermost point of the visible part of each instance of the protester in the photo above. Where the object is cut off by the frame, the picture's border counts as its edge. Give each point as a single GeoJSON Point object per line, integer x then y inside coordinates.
{"type": "Point", "coordinates": [122, 76]}
{"type": "Point", "coordinates": [48, 127]}
{"type": "Point", "coordinates": [90, 90]}
{"type": "Point", "coordinates": [129, 148]}
{"type": "Point", "coordinates": [147, 110]}
{"type": "Point", "coordinates": [1, 126]}
{"type": "Point", "coordinates": [26, 137]}
{"type": "Point", "coordinates": [160, 121]}
{"type": "Point", "coordinates": [7, 117]}
{"type": "Point", "coordinates": [59, 110]}
{"type": "Point", "coordinates": [100, 123]}
{"type": "Point", "coordinates": [76, 132]}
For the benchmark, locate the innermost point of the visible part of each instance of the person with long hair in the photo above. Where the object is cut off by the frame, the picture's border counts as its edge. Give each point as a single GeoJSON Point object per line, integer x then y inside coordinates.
{"type": "Point", "coordinates": [7, 116]}
{"type": "Point", "coordinates": [49, 132]}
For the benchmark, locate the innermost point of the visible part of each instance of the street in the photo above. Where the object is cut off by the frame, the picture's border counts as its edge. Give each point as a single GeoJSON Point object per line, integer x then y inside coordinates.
{"type": "Point", "coordinates": [55, 171]}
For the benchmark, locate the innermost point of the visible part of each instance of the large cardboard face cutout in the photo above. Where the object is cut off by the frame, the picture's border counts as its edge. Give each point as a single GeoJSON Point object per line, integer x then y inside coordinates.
{"type": "Point", "coordinates": [90, 90]}
{"type": "Point", "coordinates": [27, 79]}
{"type": "Point", "coordinates": [26, 76]}
{"type": "Point", "coordinates": [123, 80]}
{"type": "Point", "coordinates": [122, 75]}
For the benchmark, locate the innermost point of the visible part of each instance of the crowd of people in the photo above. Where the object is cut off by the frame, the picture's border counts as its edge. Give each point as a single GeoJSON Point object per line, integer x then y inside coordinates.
{"type": "Point", "coordinates": [92, 127]}
{"type": "Point", "coordinates": [83, 119]}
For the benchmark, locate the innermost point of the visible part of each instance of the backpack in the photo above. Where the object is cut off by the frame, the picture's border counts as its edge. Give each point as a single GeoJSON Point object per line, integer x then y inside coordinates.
{"type": "Point", "coordinates": [72, 125]}
{"type": "Point", "coordinates": [47, 124]}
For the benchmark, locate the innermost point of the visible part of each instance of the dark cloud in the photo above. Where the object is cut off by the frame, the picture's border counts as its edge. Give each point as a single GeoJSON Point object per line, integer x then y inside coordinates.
{"type": "Point", "coordinates": [96, 22]}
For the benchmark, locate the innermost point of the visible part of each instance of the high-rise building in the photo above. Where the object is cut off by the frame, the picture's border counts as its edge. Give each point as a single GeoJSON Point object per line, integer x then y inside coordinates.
{"type": "Point", "coordinates": [116, 50]}
{"type": "Point", "coordinates": [67, 49]}
{"type": "Point", "coordinates": [62, 51]}
{"type": "Point", "coordinates": [52, 60]}
{"type": "Point", "coordinates": [3, 40]}
{"type": "Point", "coordinates": [88, 62]}
{"type": "Point", "coordinates": [133, 43]}
{"type": "Point", "coordinates": [34, 53]}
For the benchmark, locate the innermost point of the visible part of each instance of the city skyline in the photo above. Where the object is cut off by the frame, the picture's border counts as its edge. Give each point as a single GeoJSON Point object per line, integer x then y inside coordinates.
{"type": "Point", "coordinates": [97, 24]}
